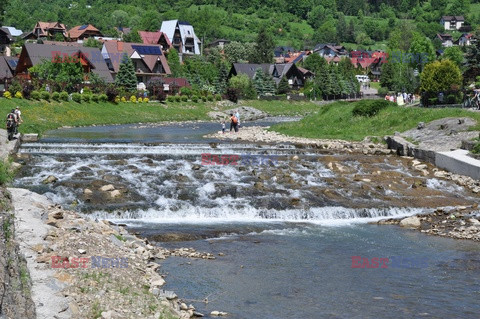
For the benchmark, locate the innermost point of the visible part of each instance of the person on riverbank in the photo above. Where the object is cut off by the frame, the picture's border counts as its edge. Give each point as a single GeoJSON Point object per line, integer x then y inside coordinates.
{"type": "Point", "coordinates": [233, 123]}
{"type": "Point", "coordinates": [18, 113]}
{"type": "Point", "coordinates": [238, 118]}
{"type": "Point", "coordinates": [223, 127]}
{"type": "Point", "coordinates": [11, 124]}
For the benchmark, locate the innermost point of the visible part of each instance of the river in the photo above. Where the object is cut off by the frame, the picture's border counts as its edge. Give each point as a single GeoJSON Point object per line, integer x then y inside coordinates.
{"type": "Point", "coordinates": [284, 225]}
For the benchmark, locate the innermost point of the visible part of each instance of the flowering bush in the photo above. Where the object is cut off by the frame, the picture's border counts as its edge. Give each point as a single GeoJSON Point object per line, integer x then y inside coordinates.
{"type": "Point", "coordinates": [133, 99]}
{"type": "Point", "coordinates": [7, 95]}
{"type": "Point", "coordinates": [19, 95]}
{"type": "Point", "coordinates": [117, 99]}
{"type": "Point", "coordinates": [123, 99]}
{"type": "Point", "coordinates": [140, 100]}
{"type": "Point", "coordinates": [145, 100]}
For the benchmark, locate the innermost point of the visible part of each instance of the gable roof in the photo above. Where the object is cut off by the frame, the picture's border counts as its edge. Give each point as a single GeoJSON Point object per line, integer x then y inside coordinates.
{"type": "Point", "coordinates": [154, 37]}
{"type": "Point", "coordinates": [46, 26]}
{"type": "Point", "coordinates": [38, 53]}
{"type": "Point", "coordinates": [13, 32]}
{"type": "Point", "coordinates": [249, 69]}
{"type": "Point", "coordinates": [77, 31]}
{"type": "Point", "coordinates": [149, 53]}
{"type": "Point", "coordinates": [444, 37]}
{"type": "Point", "coordinates": [186, 31]}
{"type": "Point", "coordinates": [451, 18]}
{"type": "Point", "coordinates": [7, 66]}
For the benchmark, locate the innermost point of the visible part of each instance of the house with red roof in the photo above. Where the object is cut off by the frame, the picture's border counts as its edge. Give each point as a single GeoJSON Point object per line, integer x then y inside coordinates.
{"type": "Point", "coordinates": [148, 59]}
{"type": "Point", "coordinates": [81, 32]}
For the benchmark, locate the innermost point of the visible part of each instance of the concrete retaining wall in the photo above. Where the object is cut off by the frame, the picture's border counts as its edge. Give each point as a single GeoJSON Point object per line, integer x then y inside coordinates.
{"type": "Point", "coordinates": [457, 161]}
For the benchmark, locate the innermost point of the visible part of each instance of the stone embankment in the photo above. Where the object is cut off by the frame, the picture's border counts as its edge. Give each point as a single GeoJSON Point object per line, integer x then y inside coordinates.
{"type": "Point", "coordinates": [89, 269]}
{"type": "Point", "coordinates": [259, 134]}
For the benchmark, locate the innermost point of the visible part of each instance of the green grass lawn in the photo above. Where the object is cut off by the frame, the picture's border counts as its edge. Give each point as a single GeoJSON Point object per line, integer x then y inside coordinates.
{"type": "Point", "coordinates": [40, 116]}
{"type": "Point", "coordinates": [335, 121]}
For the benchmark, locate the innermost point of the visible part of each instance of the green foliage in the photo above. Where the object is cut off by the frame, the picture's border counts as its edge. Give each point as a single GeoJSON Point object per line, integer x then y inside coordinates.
{"type": "Point", "coordinates": [35, 95]}
{"type": "Point", "coordinates": [441, 76]}
{"type": "Point", "coordinates": [92, 43]}
{"type": "Point", "coordinates": [263, 47]}
{"type": "Point", "coordinates": [126, 77]}
{"type": "Point", "coordinates": [244, 86]}
{"type": "Point", "coordinates": [370, 107]}
{"type": "Point", "coordinates": [45, 95]}
{"type": "Point", "coordinates": [133, 37]}
{"type": "Point", "coordinates": [315, 63]}
{"type": "Point", "coordinates": [77, 97]}
{"type": "Point", "coordinates": [184, 98]}
{"type": "Point", "coordinates": [178, 98]}
{"type": "Point", "coordinates": [218, 97]}
{"type": "Point", "coordinates": [64, 96]}
{"type": "Point", "coordinates": [66, 76]}
{"type": "Point", "coordinates": [95, 98]}
{"type": "Point", "coordinates": [102, 98]}
{"type": "Point", "coordinates": [210, 98]}
{"type": "Point", "coordinates": [5, 173]}
{"type": "Point", "coordinates": [56, 96]}
{"type": "Point", "coordinates": [170, 98]}
{"type": "Point", "coordinates": [86, 97]}
{"type": "Point", "coordinates": [236, 52]}
{"type": "Point", "coordinates": [194, 99]}
{"type": "Point", "coordinates": [174, 63]}
{"type": "Point", "coordinates": [454, 54]}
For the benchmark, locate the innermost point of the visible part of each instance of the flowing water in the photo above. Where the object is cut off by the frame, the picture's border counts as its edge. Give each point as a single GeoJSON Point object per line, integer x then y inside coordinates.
{"type": "Point", "coordinates": [286, 227]}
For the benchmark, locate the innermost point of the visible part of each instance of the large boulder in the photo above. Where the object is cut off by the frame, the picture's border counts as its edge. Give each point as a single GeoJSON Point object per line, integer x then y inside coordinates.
{"type": "Point", "coordinates": [411, 222]}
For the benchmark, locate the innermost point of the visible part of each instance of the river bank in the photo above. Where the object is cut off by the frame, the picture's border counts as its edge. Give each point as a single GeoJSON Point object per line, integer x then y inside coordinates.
{"type": "Point", "coordinates": [84, 268]}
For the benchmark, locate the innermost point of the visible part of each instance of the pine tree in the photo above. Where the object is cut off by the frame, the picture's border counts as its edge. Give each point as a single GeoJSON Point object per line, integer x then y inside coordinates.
{"type": "Point", "coordinates": [283, 86]}
{"type": "Point", "coordinates": [264, 47]}
{"type": "Point", "coordinates": [258, 82]}
{"type": "Point", "coordinates": [126, 74]}
{"type": "Point", "coordinates": [269, 84]}
{"type": "Point", "coordinates": [222, 81]}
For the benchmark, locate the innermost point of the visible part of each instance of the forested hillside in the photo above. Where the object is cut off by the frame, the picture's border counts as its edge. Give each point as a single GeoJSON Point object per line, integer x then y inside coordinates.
{"type": "Point", "coordinates": [297, 23]}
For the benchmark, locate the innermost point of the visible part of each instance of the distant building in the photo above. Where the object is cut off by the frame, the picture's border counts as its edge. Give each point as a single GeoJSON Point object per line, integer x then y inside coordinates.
{"type": "Point", "coordinates": [81, 32]}
{"type": "Point", "coordinates": [296, 78]}
{"type": "Point", "coordinates": [330, 50]}
{"type": "Point", "coordinates": [47, 30]}
{"type": "Point", "coordinates": [219, 43]}
{"type": "Point", "coordinates": [13, 31]}
{"type": "Point", "coordinates": [465, 39]}
{"type": "Point", "coordinates": [452, 22]}
{"type": "Point", "coordinates": [91, 59]}
{"type": "Point", "coordinates": [182, 36]}
{"type": "Point", "coordinates": [5, 39]}
{"type": "Point", "coordinates": [8, 65]}
{"type": "Point", "coordinates": [446, 39]}
{"type": "Point", "coordinates": [157, 37]}
{"type": "Point", "coordinates": [148, 59]}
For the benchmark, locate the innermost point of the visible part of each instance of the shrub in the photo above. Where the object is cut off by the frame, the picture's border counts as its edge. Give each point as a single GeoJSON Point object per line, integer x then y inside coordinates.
{"type": "Point", "coordinates": [103, 98]}
{"type": "Point", "coordinates": [232, 94]}
{"type": "Point", "coordinates": [123, 99]}
{"type": "Point", "coordinates": [170, 98]}
{"type": "Point", "coordinates": [195, 99]}
{"type": "Point", "coordinates": [64, 96]}
{"type": "Point", "coordinates": [218, 97]}
{"type": "Point", "coordinates": [184, 98]}
{"type": "Point", "coordinates": [178, 98]}
{"type": "Point", "coordinates": [117, 100]}
{"type": "Point", "coordinates": [6, 174]}
{"type": "Point", "coordinates": [95, 98]}
{"type": "Point", "coordinates": [370, 107]}
{"type": "Point", "coordinates": [140, 100]}
{"type": "Point", "coordinates": [111, 93]}
{"type": "Point", "coordinates": [77, 97]}
{"type": "Point", "coordinates": [86, 90]}
{"type": "Point", "coordinates": [382, 91]}
{"type": "Point", "coordinates": [203, 98]}
{"type": "Point", "coordinates": [210, 98]}
{"type": "Point", "coordinates": [145, 100]}
{"type": "Point", "coordinates": [186, 91]}
{"type": "Point", "coordinates": [133, 99]}
{"type": "Point", "coordinates": [14, 87]}
{"type": "Point", "coordinates": [18, 95]}
{"type": "Point", "coordinates": [27, 91]}
{"type": "Point", "coordinates": [451, 99]}
{"type": "Point", "coordinates": [161, 96]}
{"type": "Point", "coordinates": [7, 95]}
{"type": "Point", "coordinates": [45, 95]}
{"type": "Point", "coordinates": [86, 97]}
{"type": "Point", "coordinates": [56, 96]}
{"type": "Point", "coordinates": [35, 95]}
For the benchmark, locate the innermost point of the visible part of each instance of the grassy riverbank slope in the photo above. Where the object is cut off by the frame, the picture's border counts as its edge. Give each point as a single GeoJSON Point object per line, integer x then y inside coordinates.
{"type": "Point", "coordinates": [40, 116]}
{"type": "Point", "coordinates": [336, 121]}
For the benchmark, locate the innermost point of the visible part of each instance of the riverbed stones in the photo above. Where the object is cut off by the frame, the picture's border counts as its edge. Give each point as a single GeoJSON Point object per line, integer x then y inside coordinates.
{"type": "Point", "coordinates": [107, 188]}
{"type": "Point", "coordinates": [411, 222]}
{"type": "Point", "coordinates": [50, 180]}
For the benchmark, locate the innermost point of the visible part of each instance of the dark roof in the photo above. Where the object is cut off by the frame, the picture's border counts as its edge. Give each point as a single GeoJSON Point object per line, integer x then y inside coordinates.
{"type": "Point", "coordinates": [450, 18]}
{"type": "Point", "coordinates": [249, 68]}
{"type": "Point", "coordinates": [444, 37]}
{"type": "Point", "coordinates": [7, 33]}
{"type": "Point", "coordinates": [41, 52]}
{"type": "Point", "coordinates": [147, 49]}
{"type": "Point", "coordinates": [7, 66]}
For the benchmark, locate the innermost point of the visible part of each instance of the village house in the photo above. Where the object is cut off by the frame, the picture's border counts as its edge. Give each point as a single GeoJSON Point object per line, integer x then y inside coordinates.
{"type": "Point", "coordinates": [446, 39]}
{"type": "Point", "coordinates": [8, 65]}
{"type": "Point", "coordinates": [148, 59]}
{"type": "Point", "coordinates": [219, 43]}
{"type": "Point", "coordinates": [296, 78]}
{"type": "Point", "coordinates": [47, 30]}
{"type": "Point", "coordinates": [330, 50]}
{"type": "Point", "coordinates": [465, 39]}
{"type": "Point", "coordinates": [182, 36]}
{"type": "Point", "coordinates": [452, 22]}
{"type": "Point", "coordinates": [5, 39]}
{"type": "Point", "coordinates": [157, 37]}
{"type": "Point", "coordinates": [91, 59]}
{"type": "Point", "coordinates": [82, 32]}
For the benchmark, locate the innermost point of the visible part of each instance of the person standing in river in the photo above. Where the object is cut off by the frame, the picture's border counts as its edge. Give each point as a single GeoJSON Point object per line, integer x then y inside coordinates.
{"type": "Point", "coordinates": [233, 122]}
